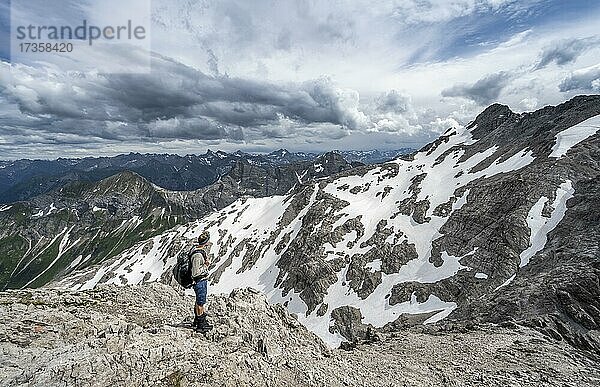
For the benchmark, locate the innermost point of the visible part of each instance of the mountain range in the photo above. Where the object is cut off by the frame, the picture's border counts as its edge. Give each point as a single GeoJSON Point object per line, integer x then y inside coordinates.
{"type": "Point", "coordinates": [495, 222]}
{"type": "Point", "coordinates": [84, 223]}
{"type": "Point", "coordinates": [24, 179]}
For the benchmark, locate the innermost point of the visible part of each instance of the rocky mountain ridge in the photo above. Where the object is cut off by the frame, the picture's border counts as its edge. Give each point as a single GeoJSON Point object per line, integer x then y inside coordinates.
{"type": "Point", "coordinates": [134, 336]}
{"type": "Point", "coordinates": [22, 180]}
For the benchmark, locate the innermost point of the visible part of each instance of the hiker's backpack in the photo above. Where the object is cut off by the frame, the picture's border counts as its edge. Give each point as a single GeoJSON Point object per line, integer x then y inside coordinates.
{"type": "Point", "coordinates": [182, 271]}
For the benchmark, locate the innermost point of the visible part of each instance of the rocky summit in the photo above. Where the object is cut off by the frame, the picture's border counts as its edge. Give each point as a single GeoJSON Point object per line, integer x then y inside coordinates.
{"type": "Point", "coordinates": [137, 336]}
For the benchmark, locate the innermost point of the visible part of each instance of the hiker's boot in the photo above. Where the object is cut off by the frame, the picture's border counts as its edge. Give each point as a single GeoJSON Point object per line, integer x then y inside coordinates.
{"type": "Point", "coordinates": [196, 322]}
{"type": "Point", "coordinates": [203, 324]}
{"type": "Point", "coordinates": [207, 324]}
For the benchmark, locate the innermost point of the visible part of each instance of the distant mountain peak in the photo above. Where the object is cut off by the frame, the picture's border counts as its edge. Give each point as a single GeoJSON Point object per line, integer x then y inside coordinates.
{"type": "Point", "coordinates": [25, 179]}
{"type": "Point", "coordinates": [125, 182]}
{"type": "Point", "coordinates": [490, 119]}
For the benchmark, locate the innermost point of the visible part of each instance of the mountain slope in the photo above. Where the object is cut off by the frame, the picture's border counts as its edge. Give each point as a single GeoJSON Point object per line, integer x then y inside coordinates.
{"type": "Point", "coordinates": [86, 223]}
{"type": "Point", "coordinates": [375, 156]}
{"type": "Point", "coordinates": [81, 224]}
{"type": "Point", "coordinates": [419, 239]}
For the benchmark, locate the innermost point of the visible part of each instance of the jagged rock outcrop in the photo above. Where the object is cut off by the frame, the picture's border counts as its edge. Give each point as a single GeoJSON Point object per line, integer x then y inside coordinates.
{"type": "Point", "coordinates": [133, 336]}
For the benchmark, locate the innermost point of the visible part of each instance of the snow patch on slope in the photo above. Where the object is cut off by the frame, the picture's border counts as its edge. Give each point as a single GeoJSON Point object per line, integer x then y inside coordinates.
{"type": "Point", "coordinates": [261, 214]}
{"type": "Point", "coordinates": [63, 247]}
{"type": "Point", "coordinates": [540, 225]}
{"type": "Point", "coordinates": [572, 136]}
{"type": "Point", "coordinates": [507, 282]}
{"type": "Point", "coordinates": [133, 270]}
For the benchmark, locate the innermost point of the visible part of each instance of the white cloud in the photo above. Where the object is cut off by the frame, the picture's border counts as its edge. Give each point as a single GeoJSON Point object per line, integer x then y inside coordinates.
{"type": "Point", "coordinates": [484, 91]}
{"type": "Point", "coordinates": [393, 112]}
{"type": "Point", "coordinates": [343, 103]}
{"type": "Point", "coordinates": [435, 11]}
{"type": "Point", "coordinates": [529, 104]}
{"type": "Point", "coordinates": [582, 79]}
{"type": "Point", "coordinates": [304, 73]}
{"type": "Point", "coordinates": [440, 125]}
{"type": "Point", "coordinates": [566, 51]}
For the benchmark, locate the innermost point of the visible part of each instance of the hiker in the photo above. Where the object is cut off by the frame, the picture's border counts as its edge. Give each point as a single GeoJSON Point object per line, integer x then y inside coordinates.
{"type": "Point", "coordinates": [200, 257]}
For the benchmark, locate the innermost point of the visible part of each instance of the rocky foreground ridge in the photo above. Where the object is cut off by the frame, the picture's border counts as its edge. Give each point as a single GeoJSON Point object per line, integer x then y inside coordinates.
{"type": "Point", "coordinates": [134, 336]}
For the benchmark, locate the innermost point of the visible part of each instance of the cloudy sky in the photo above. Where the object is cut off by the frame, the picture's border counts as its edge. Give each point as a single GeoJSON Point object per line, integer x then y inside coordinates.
{"type": "Point", "coordinates": [303, 75]}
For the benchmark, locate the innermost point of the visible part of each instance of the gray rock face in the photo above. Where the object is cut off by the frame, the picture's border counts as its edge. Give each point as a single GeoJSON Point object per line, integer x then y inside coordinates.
{"type": "Point", "coordinates": [132, 336]}
{"type": "Point", "coordinates": [348, 324]}
{"type": "Point", "coordinates": [559, 292]}
{"type": "Point", "coordinates": [489, 223]}
{"type": "Point", "coordinates": [259, 180]}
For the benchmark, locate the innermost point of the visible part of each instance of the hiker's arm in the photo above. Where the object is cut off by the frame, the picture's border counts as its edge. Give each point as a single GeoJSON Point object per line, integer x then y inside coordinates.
{"type": "Point", "coordinates": [208, 257]}
{"type": "Point", "coordinates": [197, 262]}
{"type": "Point", "coordinates": [208, 260]}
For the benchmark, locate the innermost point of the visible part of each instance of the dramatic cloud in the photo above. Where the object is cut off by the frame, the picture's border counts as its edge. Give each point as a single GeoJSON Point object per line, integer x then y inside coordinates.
{"type": "Point", "coordinates": [304, 75]}
{"type": "Point", "coordinates": [586, 79]}
{"type": "Point", "coordinates": [394, 112]}
{"type": "Point", "coordinates": [174, 101]}
{"type": "Point", "coordinates": [394, 102]}
{"type": "Point", "coordinates": [566, 51]}
{"type": "Point", "coordinates": [484, 91]}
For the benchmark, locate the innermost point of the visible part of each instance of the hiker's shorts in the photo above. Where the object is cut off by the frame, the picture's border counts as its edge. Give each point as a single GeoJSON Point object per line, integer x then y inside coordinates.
{"type": "Point", "coordinates": [200, 289]}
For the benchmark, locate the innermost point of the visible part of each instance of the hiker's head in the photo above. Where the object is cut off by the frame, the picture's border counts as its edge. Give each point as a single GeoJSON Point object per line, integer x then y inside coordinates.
{"type": "Point", "coordinates": [204, 238]}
